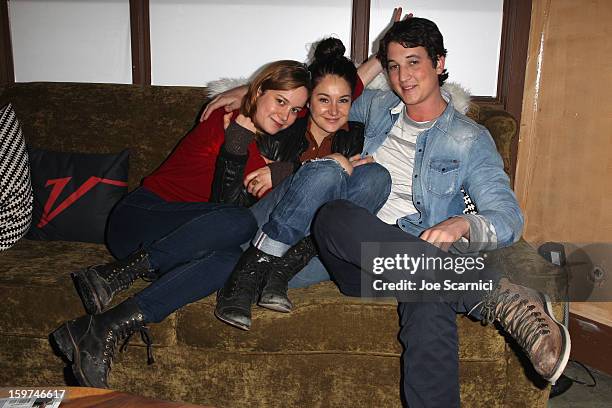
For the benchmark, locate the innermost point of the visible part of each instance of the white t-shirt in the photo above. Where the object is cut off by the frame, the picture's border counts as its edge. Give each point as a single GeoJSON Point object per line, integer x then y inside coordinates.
{"type": "Point", "coordinates": [396, 154]}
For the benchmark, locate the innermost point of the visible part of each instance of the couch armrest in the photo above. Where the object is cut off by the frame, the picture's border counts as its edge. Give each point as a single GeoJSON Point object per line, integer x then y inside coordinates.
{"type": "Point", "coordinates": [503, 129]}
{"type": "Point", "coordinates": [523, 265]}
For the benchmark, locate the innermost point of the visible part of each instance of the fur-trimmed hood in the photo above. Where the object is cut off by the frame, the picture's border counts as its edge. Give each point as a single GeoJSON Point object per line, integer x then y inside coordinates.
{"type": "Point", "coordinates": [458, 94]}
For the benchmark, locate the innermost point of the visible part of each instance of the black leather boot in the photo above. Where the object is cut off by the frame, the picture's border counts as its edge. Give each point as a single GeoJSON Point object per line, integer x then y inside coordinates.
{"type": "Point", "coordinates": [98, 284]}
{"type": "Point", "coordinates": [89, 342]}
{"type": "Point", "coordinates": [241, 290]}
{"type": "Point", "coordinates": [274, 293]}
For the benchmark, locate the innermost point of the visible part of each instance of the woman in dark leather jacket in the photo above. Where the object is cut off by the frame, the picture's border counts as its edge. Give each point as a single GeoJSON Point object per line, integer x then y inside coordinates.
{"type": "Point", "coordinates": [315, 161]}
{"type": "Point", "coordinates": [282, 152]}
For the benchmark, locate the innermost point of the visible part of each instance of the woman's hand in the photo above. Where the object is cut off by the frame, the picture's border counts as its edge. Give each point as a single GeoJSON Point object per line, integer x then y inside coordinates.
{"type": "Point", "coordinates": [357, 161]}
{"type": "Point", "coordinates": [397, 15]}
{"type": "Point", "coordinates": [372, 66]}
{"type": "Point", "coordinates": [259, 181]}
{"type": "Point", "coordinates": [230, 99]}
{"type": "Point", "coordinates": [343, 161]}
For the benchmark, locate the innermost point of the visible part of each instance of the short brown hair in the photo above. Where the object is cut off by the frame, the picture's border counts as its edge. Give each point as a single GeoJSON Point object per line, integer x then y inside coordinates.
{"type": "Point", "coordinates": [411, 33]}
{"type": "Point", "coordinates": [282, 75]}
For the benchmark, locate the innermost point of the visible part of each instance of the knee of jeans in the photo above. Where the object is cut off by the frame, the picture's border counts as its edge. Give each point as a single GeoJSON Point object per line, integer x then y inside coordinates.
{"type": "Point", "coordinates": [377, 176]}
{"type": "Point", "coordinates": [324, 172]}
{"type": "Point", "coordinates": [380, 173]}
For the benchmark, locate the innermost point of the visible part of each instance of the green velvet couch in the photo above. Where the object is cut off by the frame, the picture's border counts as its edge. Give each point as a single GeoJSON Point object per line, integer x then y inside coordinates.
{"type": "Point", "coordinates": [331, 351]}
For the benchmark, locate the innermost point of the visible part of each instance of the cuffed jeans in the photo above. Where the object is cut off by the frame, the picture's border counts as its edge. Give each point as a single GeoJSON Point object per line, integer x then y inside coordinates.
{"type": "Point", "coordinates": [193, 246]}
{"type": "Point", "coordinates": [284, 215]}
{"type": "Point", "coordinates": [428, 331]}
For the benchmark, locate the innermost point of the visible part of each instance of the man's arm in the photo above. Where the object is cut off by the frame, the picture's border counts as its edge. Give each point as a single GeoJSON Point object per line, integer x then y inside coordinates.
{"type": "Point", "coordinates": [499, 221]}
{"type": "Point", "coordinates": [230, 100]}
{"type": "Point", "coordinates": [489, 187]}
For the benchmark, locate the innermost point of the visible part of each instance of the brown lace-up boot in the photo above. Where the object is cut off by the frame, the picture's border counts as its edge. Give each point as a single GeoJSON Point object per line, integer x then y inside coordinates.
{"type": "Point", "coordinates": [527, 316]}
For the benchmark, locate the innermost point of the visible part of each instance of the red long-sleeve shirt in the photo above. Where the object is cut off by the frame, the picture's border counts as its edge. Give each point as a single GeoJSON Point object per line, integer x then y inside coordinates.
{"type": "Point", "coordinates": [187, 174]}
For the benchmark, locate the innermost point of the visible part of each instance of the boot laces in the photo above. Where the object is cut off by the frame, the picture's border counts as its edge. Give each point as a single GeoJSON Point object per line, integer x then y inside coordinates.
{"type": "Point", "coordinates": [517, 316]}
{"type": "Point", "coordinates": [124, 331]}
{"type": "Point", "coordinates": [122, 277]}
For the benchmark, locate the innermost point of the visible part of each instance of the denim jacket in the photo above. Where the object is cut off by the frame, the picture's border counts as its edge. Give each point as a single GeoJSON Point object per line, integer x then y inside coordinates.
{"type": "Point", "coordinates": [456, 152]}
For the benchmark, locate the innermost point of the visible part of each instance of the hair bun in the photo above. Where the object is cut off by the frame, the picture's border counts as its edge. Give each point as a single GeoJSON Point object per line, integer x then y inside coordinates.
{"type": "Point", "coordinates": [329, 48]}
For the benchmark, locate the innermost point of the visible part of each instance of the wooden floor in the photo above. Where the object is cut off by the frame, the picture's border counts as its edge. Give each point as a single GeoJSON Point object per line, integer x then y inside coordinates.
{"type": "Point", "coordinates": [83, 397]}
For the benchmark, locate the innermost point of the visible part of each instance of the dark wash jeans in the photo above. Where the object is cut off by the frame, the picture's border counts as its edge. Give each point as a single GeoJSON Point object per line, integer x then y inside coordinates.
{"type": "Point", "coordinates": [428, 331]}
{"type": "Point", "coordinates": [193, 246]}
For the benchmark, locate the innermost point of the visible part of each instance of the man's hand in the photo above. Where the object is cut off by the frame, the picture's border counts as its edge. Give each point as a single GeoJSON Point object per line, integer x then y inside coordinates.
{"type": "Point", "coordinates": [343, 161]}
{"type": "Point", "coordinates": [444, 234]}
{"type": "Point", "coordinates": [259, 181]}
{"type": "Point", "coordinates": [357, 161]}
{"type": "Point", "coordinates": [230, 99]}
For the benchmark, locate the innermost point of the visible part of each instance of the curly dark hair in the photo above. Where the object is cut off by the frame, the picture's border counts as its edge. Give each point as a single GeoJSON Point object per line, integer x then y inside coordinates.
{"type": "Point", "coordinates": [415, 32]}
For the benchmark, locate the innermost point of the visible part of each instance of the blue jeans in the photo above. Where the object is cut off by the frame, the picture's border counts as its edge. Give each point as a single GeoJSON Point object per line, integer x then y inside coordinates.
{"type": "Point", "coordinates": [284, 215]}
{"type": "Point", "coordinates": [193, 246]}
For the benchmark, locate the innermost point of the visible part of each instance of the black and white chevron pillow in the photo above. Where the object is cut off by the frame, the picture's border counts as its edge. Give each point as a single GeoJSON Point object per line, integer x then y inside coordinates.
{"type": "Point", "coordinates": [15, 187]}
{"type": "Point", "coordinates": [470, 206]}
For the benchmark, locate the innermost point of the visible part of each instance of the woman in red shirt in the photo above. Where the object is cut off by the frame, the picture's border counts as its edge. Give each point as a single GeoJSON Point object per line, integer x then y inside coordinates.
{"type": "Point", "coordinates": [169, 224]}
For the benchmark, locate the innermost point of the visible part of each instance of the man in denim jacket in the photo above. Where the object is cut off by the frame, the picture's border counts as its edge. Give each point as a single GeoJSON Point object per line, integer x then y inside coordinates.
{"type": "Point", "coordinates": [432, 152]}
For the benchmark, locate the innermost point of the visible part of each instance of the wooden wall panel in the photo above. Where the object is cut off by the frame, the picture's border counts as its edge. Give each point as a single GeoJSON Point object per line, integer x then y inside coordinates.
{"type": "Point", "coordinates": [564, 170]}
{"type": "Point", "coordinates": [7, 75]}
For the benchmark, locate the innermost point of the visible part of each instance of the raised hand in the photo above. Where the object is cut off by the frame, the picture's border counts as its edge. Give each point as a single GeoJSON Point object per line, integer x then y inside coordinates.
{"type": "Point", "coordinates": [397, 15]}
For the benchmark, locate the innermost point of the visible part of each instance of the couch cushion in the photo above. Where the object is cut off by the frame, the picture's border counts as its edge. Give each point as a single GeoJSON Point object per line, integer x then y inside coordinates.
{"type": "Point", "coordinates": [38, 294]}
{"type": "Point", "coordinates": [323, 320]}
{"type": "Point", "coordinates": [34, 277]}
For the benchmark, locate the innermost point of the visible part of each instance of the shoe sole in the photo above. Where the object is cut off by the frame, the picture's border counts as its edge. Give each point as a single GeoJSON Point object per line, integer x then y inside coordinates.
{"type": "Point", "coordinates": [275, 306]}
{"type": "Point", "coordinates": [232, 323]}
{"type": "Point", "coordinates": [86, 292]}
{"type": "Point", "coordinates": [67, 346]}
{"type": "Point", "coordinates": [567, 344]}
